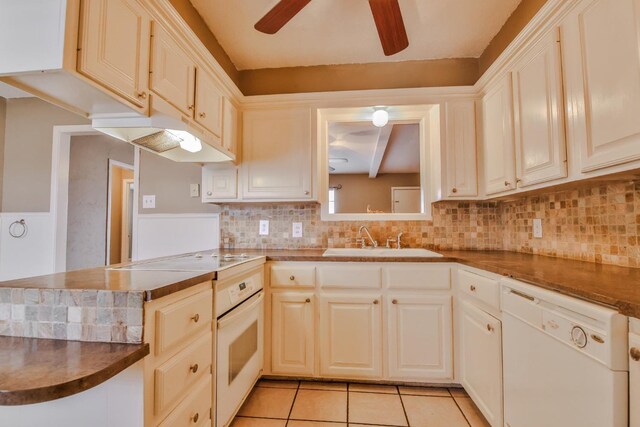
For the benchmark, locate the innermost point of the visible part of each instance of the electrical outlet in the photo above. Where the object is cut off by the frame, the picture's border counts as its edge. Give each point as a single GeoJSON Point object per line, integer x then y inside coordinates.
{"type": "Point", "coordinates": [149, 202]}
{"type": "Point", "coordinates": [264, 227]}
{"type": "Point", "coordinates": [194, 190]}
{"type": "Point", "coordinates": [297, 229]}
{"type": "Point", "coordinates": [537, 228]}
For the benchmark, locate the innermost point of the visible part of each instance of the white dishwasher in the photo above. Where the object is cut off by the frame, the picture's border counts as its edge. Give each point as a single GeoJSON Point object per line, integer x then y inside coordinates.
{"type": "Point", "coordinates": [564, 360]}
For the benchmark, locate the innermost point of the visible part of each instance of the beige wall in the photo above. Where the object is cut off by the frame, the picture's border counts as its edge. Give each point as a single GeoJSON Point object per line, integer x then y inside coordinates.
{"type": "Point", "coordinates": [169, 182]}
{"type": "Point", "coordinates": [88, 189]}
{"type": "Point", "coordinates": [520, 17]}
{"type": "Point", "coordinates": [27, 153]}
{"type": "Point", "coordinates": [118, 176]}
{"type": "Point", "coordinates": [358, 191]}
{"type": "Point", "coordinates": [3, 113]}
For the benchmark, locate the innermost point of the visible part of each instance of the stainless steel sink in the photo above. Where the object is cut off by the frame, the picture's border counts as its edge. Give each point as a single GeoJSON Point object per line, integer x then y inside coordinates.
{"type": "Point", "coordinates": [381, 253]}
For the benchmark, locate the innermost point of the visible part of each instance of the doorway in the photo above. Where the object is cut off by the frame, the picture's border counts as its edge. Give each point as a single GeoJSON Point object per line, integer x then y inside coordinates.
{"type": "Point", "coordinates": [119, 213]}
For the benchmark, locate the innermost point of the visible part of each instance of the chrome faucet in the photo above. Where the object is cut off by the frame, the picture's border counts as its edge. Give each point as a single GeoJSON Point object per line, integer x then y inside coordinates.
{"type": "Point", "coordinates": [399, 240]}
{"type": "Point", "coordinates": [364, 242]}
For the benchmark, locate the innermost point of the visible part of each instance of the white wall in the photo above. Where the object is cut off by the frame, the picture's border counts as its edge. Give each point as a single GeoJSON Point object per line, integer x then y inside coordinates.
{"type": "Point", "coordinates": [31, 254]}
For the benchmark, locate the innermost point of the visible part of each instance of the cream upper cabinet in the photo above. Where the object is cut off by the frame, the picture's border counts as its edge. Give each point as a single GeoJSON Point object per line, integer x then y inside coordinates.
{"type": "Point", "coordinates": [219, 182]}
{"type": "Point", "coordinates": [541, 151]}
{"type": "Point", "coordinates": [419, 337]}
{"type": "Point", "coordinates": [498, 144]}
{"type": "Point", "coordinates": [230, 126]}
{"type": "Point", "coordinates": [277, 154]}
{"type": "Point", "coordinates": [634, 378]}
{"type": "Point", "coordinates": [481, 361]}
{"type": "Point", "coordinates": [351, 336]}
{"type": "Point", "coordinates": [460, 150]}
{"type": "Point", "coordinates": [173, 72]}
{"type": "Point", "coordinates": [602, 77]}
{"type": "Point", "coordinates": [208, 105]}
{"type": "Point", "coordinates": [114, 48]}
{"type": "Point", "coordinates": [292, 333]}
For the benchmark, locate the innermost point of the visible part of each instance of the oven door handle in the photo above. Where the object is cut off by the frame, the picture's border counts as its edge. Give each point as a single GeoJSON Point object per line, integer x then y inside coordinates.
{"type": "Point", "coordinates": [235, 314]}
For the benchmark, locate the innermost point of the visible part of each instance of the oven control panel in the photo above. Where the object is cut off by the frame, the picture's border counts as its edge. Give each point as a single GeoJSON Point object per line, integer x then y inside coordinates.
{"type": "Point", "coordinates": [241, 291]}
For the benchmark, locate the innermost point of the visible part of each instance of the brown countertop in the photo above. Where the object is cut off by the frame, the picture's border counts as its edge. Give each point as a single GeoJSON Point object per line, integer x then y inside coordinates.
{"type": "Point", "coordinates": [618, 287]}
{"type": "Point", "coordinates": [34, 370]}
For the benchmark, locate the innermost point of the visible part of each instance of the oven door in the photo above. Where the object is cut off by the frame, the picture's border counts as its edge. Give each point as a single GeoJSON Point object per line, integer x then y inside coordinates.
{"type": "Point", "coordinates": [239, 356]}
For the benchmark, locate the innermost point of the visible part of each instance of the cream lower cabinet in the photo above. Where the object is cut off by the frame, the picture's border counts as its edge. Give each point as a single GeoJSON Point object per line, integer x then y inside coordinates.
{"type": "Point", "coordinates": [113, 48]}
{"type": "Point", "coordinates": [634, 374]}
{"type": "Point", "coordinates": [351, 336]}
{"type": "Point", "coordinates": [292, 333]}
{"type": "Point", "coordinates": [601, 67]}
{"type": "Point", "coordinates": [481, 360]}
{"type": "Point", "coordinates": [419, 337]}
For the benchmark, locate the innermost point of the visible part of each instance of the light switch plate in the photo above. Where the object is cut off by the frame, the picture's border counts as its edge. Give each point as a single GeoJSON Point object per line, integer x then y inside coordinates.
{"type": "Point", "coordinates": [264, 227]}
{"type": "Point", "coordinates": [297, 229]}
{"type": "Point", "coordinates": [537, 228]}
{"type": "Point", "coordinates": [149, 202]}
{"type": "Point", "coordinates": [194, 190]}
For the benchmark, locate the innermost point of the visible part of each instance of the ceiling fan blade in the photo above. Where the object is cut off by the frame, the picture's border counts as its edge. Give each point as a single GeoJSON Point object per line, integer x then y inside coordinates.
{"type": "Point", "coordinates": [388, 18]}
{"type": "Point", "coordinates": [279, 15]}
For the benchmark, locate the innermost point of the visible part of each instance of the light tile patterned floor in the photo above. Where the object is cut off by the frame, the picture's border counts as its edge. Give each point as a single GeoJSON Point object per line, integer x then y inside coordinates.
{"type": "Point", "coordinates": [325, 404]}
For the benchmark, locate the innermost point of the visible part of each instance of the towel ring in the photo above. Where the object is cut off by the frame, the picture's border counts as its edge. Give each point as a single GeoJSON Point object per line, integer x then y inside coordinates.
{"type": "Point", "coordinates": [18, 229]}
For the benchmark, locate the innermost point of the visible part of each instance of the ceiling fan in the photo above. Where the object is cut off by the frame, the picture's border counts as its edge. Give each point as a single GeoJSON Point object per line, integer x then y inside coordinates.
{"type": "Point", "coordinates": [386, 14]}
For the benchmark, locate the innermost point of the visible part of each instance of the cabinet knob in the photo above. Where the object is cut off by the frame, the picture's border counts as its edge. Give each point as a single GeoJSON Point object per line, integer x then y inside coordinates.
{"type": "Point", "coordinates": [472, 288]}
{"type": "Point", "coordinates": [308, 300]}
{"type": "Point", "coordinates": [395, 301]}
{"type": "Point", "coordinates": [142, 95]}
{"type": "Point", "coordinates": [635, 354]}
{"type": "Point", "coordinates": [507, 184]}
{"type": "Point", "coordinates": [306, 193]}
{"type": "Point", "coordinates": [292, 278]}
{"type": "Point", "coordinates": [454, 190]}
{"type": "Point", "coordinates": [489, 328]}
{"type": "Point", "coordinates": [203, 115]}
{"type": "Point", "coordinates": [193, 368]}
{"type": "Point", "coordinates": [191, 107]}
{"type": "Point", "coordinates": [195, 418]}
{"type": "Point", "coordinates": [195, 318]}
{"type": "Point", "coordinates": [209, 193]}
{"type": "Point", "coordinates": [375, 301]}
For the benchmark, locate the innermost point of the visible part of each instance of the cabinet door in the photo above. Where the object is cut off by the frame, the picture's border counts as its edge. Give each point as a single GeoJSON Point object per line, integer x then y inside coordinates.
{"type": "Point", "coordinates": [230, 126]}
{"type": "Point", "coordinates": [420, 343]}
{"type": "Point", "coordinates": [541, 151]}
{"type": "Point", "coordinates": [351, 336]}
{"type": "Point", "coordinates": [292, 333]}
{"type": "Point", "coordinates": [208, 103]}
{"type": "Point", "coordinates": [481, 361]}
{"type": "Point", "coordinates": [219, 182]}
{"type": "Point", "coordinates": [499, 156]}
{"type": "Point", "coordinates": [173, 72]}
{"type": "Point", "coordinates": [276, 154]}
{"type": "Point", "coordinates": [460, 151]}
{"type": "Point", "coordinates": [602, 68]}
{"type": "Point", "coordinates": [114, 47]}
{"type": "Point", "coordinates": [634, 380]}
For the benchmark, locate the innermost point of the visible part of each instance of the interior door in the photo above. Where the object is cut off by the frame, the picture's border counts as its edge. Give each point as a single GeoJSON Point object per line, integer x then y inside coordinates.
{"type": "Point", "coordinates": [481, 361]}
{"type": "Point", "coordinates": [351, 336]}
{"type": "Point", "coordinates": [420, 332]}
{"type": "Point", "coordinates": [406, 199]}
{"type": "Point", "coordinates": [292, 333]}
{"type": "Point", "coordinates": [541, 151]}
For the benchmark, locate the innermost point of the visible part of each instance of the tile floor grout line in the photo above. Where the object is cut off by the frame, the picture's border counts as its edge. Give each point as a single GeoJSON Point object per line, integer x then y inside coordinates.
{"type": "Point", "coordinates": [295, 396]}
{"type": "Point", "coordinates": [460, 409]}
{"type": "Point", "coordinates": [406, 416]}
{"type": "Point", "coordinates": [348, 384]}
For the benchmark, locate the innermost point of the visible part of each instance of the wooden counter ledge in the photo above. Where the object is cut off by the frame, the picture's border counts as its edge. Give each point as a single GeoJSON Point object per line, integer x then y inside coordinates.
{"type": "Point", "coordinates": [34, 370]}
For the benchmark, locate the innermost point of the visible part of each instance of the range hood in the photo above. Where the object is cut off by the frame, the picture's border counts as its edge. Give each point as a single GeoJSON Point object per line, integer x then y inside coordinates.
{"type": "Point", "coordinates": [179, 140]}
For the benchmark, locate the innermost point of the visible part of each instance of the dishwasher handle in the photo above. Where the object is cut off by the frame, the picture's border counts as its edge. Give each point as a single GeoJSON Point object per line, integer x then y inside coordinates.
{"type": "Point", "coordinates": [240, 311]}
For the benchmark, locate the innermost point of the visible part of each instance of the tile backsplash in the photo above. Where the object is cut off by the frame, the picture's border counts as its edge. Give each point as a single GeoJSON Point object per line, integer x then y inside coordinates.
{"type": "Point", "coordinates": [593, 222]}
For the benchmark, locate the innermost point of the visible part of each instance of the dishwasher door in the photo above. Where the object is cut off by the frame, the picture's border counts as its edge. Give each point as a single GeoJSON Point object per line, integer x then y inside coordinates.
{"type": "Point", "coordinates": [548, 383]}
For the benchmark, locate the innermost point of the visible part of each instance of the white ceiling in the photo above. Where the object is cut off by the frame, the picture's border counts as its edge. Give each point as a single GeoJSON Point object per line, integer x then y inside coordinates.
{"type": "Point", "coordinates": [356, 142]}
{"type": "Point", "coordinates": [343, 31]}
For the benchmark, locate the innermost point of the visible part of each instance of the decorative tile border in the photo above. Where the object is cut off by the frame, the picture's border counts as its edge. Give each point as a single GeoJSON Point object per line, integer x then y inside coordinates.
{"type": "Point", "coordinates": [78, 315]}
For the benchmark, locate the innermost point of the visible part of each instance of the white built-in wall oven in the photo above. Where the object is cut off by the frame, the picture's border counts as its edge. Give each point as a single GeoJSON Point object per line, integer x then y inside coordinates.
{"type": "Point", "coordinates": [240, 343]}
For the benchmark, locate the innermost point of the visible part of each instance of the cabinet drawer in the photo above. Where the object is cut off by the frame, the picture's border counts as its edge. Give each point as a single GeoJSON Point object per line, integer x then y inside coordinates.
{"type": "Point", "coordinates": [293, 275]}
{"type": "Point", "coordinates": [417, 276]}
{"type": "Point", "coordinates": [350, 276]}
{"type": "Point", "coordinates": [175, 377]}
{"type": "Point", "coordinates": [183, 319]}
{"type": "Point", "coordinates": [195, 410]}
{"type": "Point", "coordinates": [480, 287]}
